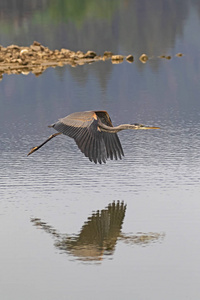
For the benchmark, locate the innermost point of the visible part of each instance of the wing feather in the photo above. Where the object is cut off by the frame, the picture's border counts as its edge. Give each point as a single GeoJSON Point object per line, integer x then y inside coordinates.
{"type": "Point", "coordinates": [92, 149]}
{"type": "Point", "coordinates": [112, 142]}
{"type": "Point", "coordinates": [97, 145]}
{"type": "Point", "coordinates": [103, 151]}
{"type": "Point", "coordinates": [82, 139]}
{"type": "Point", "coordinates": [118, 146]}
{"type": "Point", "coordinates": [113, 145]}
{"type": "Point", "coordinates": [88, 147]}
{"type": "Point", "coordinates": [86, 144]}
{"type": "Point", "coordinates": [86, 135]}
{"type": "Point", "coordinates": [108, 146]}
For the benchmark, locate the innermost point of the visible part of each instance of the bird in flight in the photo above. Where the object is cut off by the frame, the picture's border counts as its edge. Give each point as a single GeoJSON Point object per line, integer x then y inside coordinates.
{"type": "Point", "coordinates": [93, 133]}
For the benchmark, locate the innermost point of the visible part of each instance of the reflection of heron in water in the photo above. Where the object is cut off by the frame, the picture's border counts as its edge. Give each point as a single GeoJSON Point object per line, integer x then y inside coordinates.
{"type": "Point", "coordinates": [93, 133]}
{"type": "Point", "coordinates": [99, 235]}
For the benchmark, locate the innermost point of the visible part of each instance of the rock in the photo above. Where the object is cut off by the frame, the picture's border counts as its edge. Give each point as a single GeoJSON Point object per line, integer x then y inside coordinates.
{"type": "Point", "coordinates": [35, 43]}
{"type": "Point", "coordinates": [35, 48]}
{"type": "Point", "coordinates": [12, 47]}
{"type": "Point", "coordinates": [56, 51]}
{"type": "Point", "coordinates": [143, 58]}
{"type": "Point", "coordinates": [80, 54]}
{"type": "Point", "coordinates": [130, 58]}
{"type": "Point", "coordinates": [8, 54]}
{"type": "Point", "coordinates": [37, 72]}
{"type": "Point", "coordinates": [179, 54]}
{"type": "Point", "coordinates": [24, 51]}
{"type": "Point", "coordinates": [81, 62]}
{"type": "Point", "coordinates": [3, 49]}
{"type": "Point", "coordinates": [14, 60]}
{"type": "Point", "coordinates": [107, 54]}
{"type": "Point", "coordinates": [90, 54]}
{"type": "Point", "coordinates": [117, 57]}
{"type": "Point", "coordinates": [37, 58]}
{"type": "Point", "coordinates": [46, 49]}
{"type": "Point", "coordinates": [25, 72]}
{"type": "Point", "coordinates": [24, 62]}
{"type": "Point", "coordinates": [41, 54]}
{"type": "Point", "coordinates": [115, 61]}
{"type": "Point", "coordinates": [73, 55]}
{"type": "Point", "coordinates": [42, 48]}
{"type": "Point", "coordinates": [66, 52]}
{"type": "Point", "coordinates": [60, 56]}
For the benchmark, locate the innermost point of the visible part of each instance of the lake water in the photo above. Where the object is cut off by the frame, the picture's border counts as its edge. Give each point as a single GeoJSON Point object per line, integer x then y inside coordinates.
{"type": "Point", "coordinates": [128, 229]}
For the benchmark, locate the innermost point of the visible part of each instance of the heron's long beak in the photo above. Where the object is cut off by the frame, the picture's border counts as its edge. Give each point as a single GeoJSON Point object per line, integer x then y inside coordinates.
{"type": "Point", "coordinates": [140, 126]}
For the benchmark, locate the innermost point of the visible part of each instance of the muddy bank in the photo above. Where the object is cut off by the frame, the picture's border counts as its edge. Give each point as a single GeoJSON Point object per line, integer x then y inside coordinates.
{"type": "Point", "coordinates": [37, 58]}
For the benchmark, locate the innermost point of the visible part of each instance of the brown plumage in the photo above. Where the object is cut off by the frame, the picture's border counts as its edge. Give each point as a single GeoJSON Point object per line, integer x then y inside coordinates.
{"type": "Point", "coordinates": [93, 133]}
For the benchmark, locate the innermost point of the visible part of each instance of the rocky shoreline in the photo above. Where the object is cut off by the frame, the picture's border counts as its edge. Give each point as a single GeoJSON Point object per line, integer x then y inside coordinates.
{"type": "Point", "coordinates": [37, 58]}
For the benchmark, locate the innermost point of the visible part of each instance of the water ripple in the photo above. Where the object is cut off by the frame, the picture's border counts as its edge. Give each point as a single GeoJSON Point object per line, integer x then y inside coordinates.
{"type": "Point", "coordinates": [166, 159]}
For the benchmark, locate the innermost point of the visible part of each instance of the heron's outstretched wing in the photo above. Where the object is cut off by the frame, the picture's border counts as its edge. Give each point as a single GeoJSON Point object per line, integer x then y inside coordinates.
{"type": "Point", "coordinates": [97, 145]}
{"type": "Point", "coordinates": [112, 142]}
{"type": "Point", "coordinates": [83, 128]}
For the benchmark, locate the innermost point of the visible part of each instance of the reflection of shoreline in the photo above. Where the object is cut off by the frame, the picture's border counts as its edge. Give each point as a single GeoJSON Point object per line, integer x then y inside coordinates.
{"type": "Point", "coordinates": [98, 235]}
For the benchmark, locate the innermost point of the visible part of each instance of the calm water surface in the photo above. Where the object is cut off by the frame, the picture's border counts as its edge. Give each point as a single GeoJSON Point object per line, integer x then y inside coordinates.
{"type": "Point", "coordinates": [129, 229]}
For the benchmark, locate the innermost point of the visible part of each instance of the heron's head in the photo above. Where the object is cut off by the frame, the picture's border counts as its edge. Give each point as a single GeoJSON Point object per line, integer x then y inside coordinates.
{"type": "Point", "coordinates": [141, 126]}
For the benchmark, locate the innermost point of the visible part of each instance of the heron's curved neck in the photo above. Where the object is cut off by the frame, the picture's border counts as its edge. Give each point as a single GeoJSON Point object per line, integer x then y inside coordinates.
{"type": "Point", "coordinates": [116, 128]}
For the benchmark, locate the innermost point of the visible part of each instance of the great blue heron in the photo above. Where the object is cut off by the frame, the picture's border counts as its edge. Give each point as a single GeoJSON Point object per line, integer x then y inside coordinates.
{"type": "Point", "coordinates": [93, 133]}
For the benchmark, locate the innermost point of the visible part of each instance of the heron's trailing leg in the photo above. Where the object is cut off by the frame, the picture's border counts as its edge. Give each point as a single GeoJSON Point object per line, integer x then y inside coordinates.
{"type": "Point", "coordinates": [38, 147]}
